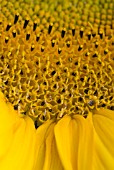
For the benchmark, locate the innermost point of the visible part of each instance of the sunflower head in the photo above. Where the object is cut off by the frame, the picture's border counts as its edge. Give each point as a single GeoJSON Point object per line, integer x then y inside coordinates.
{"type": "Point", "coordinates": [57, 59]}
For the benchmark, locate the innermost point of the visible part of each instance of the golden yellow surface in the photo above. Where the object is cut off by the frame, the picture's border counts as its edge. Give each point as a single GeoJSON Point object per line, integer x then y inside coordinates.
{"type": "Point", "coordinates": [57, 57]}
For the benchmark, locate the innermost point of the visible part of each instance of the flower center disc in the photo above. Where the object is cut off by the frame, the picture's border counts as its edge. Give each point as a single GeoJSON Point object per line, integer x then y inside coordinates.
{"type": "Point", "coordinates": [47, 73]}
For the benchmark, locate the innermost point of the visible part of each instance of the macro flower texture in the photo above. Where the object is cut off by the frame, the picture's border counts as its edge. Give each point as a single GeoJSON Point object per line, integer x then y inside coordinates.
{"type": "Point", "coordinates": [57, 85]}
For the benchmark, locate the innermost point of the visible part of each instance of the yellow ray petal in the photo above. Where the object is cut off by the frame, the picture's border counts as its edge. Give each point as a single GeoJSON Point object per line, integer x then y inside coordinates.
{"type": "Point", "coordinates": [6, 122]}
{"type": "Point", "coordinates": [103, 121]}
{"type": "Point", "coordinates": [7, 117]}
{"type": "Point", "coordinates": [47, 158]}
{"type": "Point", "coordinates": [17, 139]}
{"type": "Point", "coordinates": [74, 142]}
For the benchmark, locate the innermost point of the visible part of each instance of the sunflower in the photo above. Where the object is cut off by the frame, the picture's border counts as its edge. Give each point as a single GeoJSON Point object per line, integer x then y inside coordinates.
{"type": "Point", "coordinates": [57, 85]}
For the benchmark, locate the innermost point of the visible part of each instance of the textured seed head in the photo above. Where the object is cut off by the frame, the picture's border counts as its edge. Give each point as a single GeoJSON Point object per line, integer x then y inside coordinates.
{"type": "Point", "coordinates": [56, 59]}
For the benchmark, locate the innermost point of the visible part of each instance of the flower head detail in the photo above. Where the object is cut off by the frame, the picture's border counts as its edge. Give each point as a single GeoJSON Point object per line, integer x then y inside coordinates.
{"type": "Point", "coordinates": [57, 85]}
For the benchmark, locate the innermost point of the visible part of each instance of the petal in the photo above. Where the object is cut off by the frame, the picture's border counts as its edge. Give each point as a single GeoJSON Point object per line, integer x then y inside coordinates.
{"type": "Point", "coordinates": [17, 139]}
{"type": "Point", "coordinates": [47, 158]}
{"type": "Point", "coordinates": [7, 118]}
{"type": "Point", "coordinates": [74, 142]}
{"type": "Point", "coordinates": [103, 121]}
